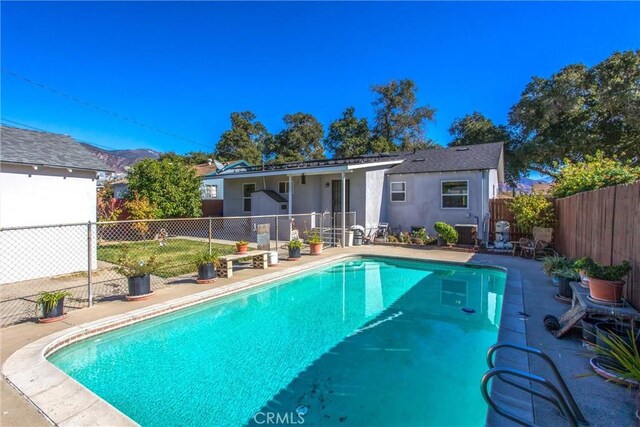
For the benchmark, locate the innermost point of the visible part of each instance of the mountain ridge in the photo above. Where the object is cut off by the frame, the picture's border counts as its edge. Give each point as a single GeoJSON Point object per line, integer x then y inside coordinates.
{"type": "Point", "coordinates": [120, 160]}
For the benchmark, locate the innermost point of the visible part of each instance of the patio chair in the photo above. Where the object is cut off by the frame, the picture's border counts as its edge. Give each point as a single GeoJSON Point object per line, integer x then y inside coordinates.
{"type": "Point", "coordinates": [383, 231]}
{"type": "Point", "coordinates": [540, 245]}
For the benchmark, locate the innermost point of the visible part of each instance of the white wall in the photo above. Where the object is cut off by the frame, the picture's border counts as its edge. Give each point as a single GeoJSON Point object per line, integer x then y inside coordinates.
{"type": "Point", "coordinates": [44, 197]}
{"type": "Point", "coordinates": [423, 206]}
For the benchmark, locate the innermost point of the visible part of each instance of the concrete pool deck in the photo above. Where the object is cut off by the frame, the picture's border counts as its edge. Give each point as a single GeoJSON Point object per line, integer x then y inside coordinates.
{"type": "Point", "coordinates": [602, 403]}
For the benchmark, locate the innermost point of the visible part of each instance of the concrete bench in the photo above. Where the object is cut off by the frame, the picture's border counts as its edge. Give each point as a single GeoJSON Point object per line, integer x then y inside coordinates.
{"type": "Point", "coordinates": [259, 259]}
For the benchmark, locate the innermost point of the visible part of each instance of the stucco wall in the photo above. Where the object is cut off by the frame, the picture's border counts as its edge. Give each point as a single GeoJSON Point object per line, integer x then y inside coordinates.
{"type": "Point", "coordinates": [44, 197]}
{"type": "Point", "coordinates": [214, 181]}
{"type": "Point", "coordinates": [423, 201]}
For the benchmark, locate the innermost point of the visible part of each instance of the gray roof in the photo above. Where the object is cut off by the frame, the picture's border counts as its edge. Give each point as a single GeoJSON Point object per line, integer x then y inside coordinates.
{"type": "Point", "coordinates": [275, 196]}
{"type": "Point", "coordinates": [46, 149]}
{"type": "Point", "coordinates": [468, 157]}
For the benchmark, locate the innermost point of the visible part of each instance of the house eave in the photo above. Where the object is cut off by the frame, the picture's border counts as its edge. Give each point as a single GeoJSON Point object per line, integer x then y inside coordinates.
{"type": "Point", "coordinates": [304, 171]}
{"type": "Point", "coordinates": [45, 165]}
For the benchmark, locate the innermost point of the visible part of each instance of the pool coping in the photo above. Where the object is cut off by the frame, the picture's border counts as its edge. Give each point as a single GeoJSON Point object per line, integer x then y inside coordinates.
{"type": "Point", "coordinates": [64, 401]}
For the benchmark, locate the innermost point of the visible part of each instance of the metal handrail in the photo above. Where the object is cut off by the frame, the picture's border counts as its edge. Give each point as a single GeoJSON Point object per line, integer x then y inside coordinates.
{"type": "Point", "coordinates": [559, 400]}
{"type": "Point", "coordinates": [531, 350]}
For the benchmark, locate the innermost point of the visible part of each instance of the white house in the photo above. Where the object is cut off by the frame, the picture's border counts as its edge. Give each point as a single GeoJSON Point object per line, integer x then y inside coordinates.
{"type": "Point", "coordinates": [46, 179]}
{"type": "Point", "coordinates": [414, 189]}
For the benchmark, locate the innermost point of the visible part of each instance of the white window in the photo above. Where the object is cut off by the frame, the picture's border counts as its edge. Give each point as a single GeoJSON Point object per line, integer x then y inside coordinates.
{"type": "Point", "coordinates": [398, 191]}
{"type": "Point", "coordinates": [283, 187]}
{"type": "Point", "coordinates": [209, 191]}
{"type": "Point", "coordinates": [455, 194]}
{"type": "Point", "coordinates": [247, 189]}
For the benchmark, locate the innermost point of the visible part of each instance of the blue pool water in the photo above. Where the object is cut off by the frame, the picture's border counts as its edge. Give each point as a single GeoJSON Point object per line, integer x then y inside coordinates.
{"type": "Point", "coordinates": [372, 341]}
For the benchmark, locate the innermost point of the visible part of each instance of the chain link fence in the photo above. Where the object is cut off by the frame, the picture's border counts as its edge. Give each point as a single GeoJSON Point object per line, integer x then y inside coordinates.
{"type": "Point", "coordinates": [82, 258]}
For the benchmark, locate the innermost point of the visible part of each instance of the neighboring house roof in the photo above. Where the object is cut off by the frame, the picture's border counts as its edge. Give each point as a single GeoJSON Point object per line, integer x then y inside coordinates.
{"type": "Point", "coordinates": [37, 148]}
{"type": "Point", "coordinates": [275, 196]}
{"type": "Point", "coordinates": [312, 166]}
{"type": "Point", "coordinates": [205, 169]}
{"type": "Point", "coordinates": [468, 157]}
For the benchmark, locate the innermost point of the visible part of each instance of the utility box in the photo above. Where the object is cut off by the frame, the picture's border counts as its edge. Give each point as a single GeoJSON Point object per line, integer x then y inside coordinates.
{"type": "Point", "coordinates": [467, 233]}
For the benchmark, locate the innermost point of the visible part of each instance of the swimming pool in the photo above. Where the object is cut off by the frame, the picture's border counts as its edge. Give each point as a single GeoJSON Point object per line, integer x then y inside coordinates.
{"type": "Point", "coordinates": [370, 341]}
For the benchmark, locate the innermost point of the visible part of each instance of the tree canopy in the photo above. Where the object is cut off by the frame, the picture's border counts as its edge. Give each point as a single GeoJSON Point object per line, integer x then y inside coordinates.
{"type": "Point", "coordinates": [399, 122]}
{"type": "Point", "coordinates": [191, 158]}
{"type": "Point", "coordinates": [349, 136]}
{"type": "Point", "coordinates": [475, 128]}
{"type": "Point", "coordinates": [300, 140]}
{"type": "Point", "coordinates": [578, 111]}
{"type": "Point", "coordinates": [247, 139]}
{"type": "Point", "coordinates": [168, 184]}
{"type": "Point", "coordinates": [594, 172]}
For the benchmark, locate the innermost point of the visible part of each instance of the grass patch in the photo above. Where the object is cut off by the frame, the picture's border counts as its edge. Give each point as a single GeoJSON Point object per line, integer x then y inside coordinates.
{"type": "Point", "coordinates": [175, 258]}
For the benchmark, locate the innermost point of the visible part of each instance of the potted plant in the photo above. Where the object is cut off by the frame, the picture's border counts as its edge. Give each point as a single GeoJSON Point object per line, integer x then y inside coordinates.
{"type": "Point", "coordinates": [581, 265]}
{"type": "Point", "coordinates": [619, 360]}
{"type": "Point", "coordinates": [242, 246]}
{"type": "Point", "coordinates": [138, 274]}
{"type": "Point", "coordinates": [446, 233]}
{"type": "Point", "coordinates": [52, 304]}
{"type": "Point", "coordinates": [207, 264]}
{"type": "Point", "coordinates": [605, 282]}
{"type": "Point", "coordinates": [294, 247]}
{"type": "Point", "coordinates": [315, 243]}
{"type": "Point", "coordinates": [565, 275]}
{"type": "Point", "coordinates": [551, 263]}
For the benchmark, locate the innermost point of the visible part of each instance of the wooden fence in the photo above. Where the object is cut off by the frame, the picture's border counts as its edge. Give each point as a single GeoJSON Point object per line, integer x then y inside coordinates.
{"type": "Point", "coordinates": [604, 225]}
{"type": "Point", "coordinates": [499, 211]}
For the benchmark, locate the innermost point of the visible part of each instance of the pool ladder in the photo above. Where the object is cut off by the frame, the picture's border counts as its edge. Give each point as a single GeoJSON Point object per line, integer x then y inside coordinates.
{"type": "Point", "coordinates": [560, 396]}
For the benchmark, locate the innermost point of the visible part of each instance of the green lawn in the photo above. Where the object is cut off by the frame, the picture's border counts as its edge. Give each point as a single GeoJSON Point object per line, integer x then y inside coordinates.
{"type": "Point", "coordinates": [175, 258]}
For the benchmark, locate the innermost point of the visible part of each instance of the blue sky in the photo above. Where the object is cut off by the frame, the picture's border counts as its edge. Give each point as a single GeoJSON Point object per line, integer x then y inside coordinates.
{"type": "Point", "coordinates": [183, 67]}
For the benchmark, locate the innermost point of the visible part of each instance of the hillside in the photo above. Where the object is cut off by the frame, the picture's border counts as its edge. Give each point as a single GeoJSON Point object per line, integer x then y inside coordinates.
{"type": "Point", "coordinates": [120, 159]}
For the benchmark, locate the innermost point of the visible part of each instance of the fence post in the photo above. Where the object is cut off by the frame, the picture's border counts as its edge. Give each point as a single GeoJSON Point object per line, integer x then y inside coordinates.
{"type": "Point", "coordinates": [210, 233]}
{"type": "Point", "coordinates": [90, 262]}
{"type": "Point", "coordinates": [277, 231]}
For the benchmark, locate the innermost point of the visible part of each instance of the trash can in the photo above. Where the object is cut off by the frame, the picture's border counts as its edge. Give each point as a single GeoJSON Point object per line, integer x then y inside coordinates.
{"type": "Point", "coordinates": [358, 235]}
{"type": "Point", "coordinates": [348, 238]}
{"type": "Point", "coordinates": [273, 257]}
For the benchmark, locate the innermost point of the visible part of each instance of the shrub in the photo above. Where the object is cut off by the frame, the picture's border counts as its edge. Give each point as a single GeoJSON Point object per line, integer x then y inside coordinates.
{"type": "Point", "coordinates": [595, 172]}
{"type": "Point", "coordinates": [532, 210]}
{"type": "Point", "coordinates": [420, 234]}
{"type": "Point", "coordinates": [392, 239]}
{"type": "Point", "coordinates": [609, 272]}
{"type": "Point", "coordinates": [294, 244]}
{"type": "Point", "coordinates": [552, 263]}
{"type": "Point", "coordinates": [417, 241]}
{"type": "Point", "coordinates": [314, 237]}
{"type": "Point", "coordinates": [405, 237]}
{"type": "Point", "coordinates": [447, 232]}
{"type": "Point", "coordinates": [139, 207]}
{"type": "Point", "coordinates": [48, 300]}
{"type": "Point", "coordinates": [131, 267]}
{"type": "Point", "coordinates": [207, 258]}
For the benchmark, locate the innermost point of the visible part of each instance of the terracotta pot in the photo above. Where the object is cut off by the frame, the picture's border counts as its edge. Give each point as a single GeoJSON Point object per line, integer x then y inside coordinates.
{"type": "Point", "coordinates": [316, 248]}
{"type": "Point", "coordinates": [605, 290]}
{"type": "Point", "coordinates": [242, 249]}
